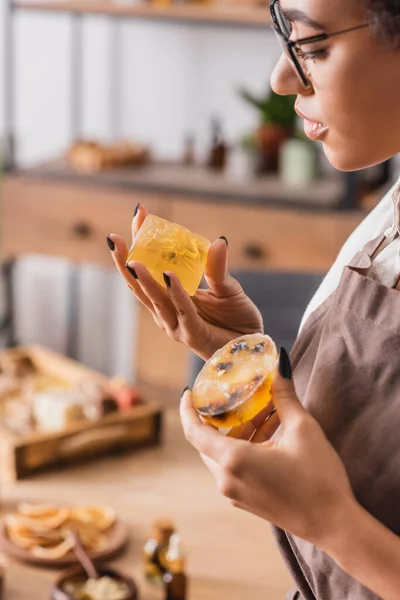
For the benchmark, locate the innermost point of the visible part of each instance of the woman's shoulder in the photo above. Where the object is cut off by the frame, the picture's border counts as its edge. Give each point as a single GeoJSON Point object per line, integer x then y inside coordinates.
{"type": "Point", "coordinates": [378, 220]}
{"type": "Point", "coordinates": [374, 224]}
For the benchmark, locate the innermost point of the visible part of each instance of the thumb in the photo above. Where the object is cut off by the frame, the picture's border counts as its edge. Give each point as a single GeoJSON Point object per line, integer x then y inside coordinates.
{"type": "Point", "coordinates": [284, 397]}
{"type": "Point", "coordinates": [216, 273]}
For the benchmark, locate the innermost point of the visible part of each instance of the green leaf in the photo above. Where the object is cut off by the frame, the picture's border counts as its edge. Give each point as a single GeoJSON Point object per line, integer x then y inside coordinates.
{"type": "Point", "coordinates": [273, 108]}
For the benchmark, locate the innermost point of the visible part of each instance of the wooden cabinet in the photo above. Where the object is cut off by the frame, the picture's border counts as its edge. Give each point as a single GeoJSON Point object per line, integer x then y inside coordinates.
{"type": "Point", "coordinates": [268, 238]}
{"type": "Point", "coordinates": [72, 220]}
{"type": "Point", "coordinates": [161, 362]}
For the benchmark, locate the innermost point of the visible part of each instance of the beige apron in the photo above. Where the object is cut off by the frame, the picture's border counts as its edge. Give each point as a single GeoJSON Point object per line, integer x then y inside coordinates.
{"type": "Point", "coordinates": [346, 365]}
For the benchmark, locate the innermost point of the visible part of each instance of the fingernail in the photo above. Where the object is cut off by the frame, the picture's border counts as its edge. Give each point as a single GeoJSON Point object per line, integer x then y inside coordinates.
{"type": "Point", "coordinates": [185, 390]}
{"type": "Point", "coordinates": [285, 368]}
{"type": "Point", "coordinates": [110, 243]}
{"type": "Point", "coordinates": [132, 272]}
{"type": "Point", "coordinates": [136, 209]}
{"type": "Point", "coordinates": [222, 237]}
{"type": "Point", "coordinates": [167, 280]}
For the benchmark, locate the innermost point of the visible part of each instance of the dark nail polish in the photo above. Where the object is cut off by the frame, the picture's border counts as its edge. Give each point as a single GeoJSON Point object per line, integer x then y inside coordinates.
{"type": "Point", "coordinates": [285, 368]}
{"type": "Point", "coordinates": [167, 280]}
{"type": "Point", "coordinates": [185, 390]}
{"type": "Point", "coordinates": [110, 243]}
{"type": "Point", "coordinates": [222, 237]}
{"type": "Point", "coordinates": [132, 272]}
{"type": "Point", "coordinates": [136, 209]}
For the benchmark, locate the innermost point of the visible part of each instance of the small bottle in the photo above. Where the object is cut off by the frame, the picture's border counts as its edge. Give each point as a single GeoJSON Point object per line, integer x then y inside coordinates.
{"type": "Point", "coordinates": [297, 162]}
{"type": "Point", "coordinates": [189, 152]}
{"type": "Point", "coordinates": [175, 579]}
{"type": "Point", "coordinates": [155, 550]}
{"type": "Point", "coordinates": [218, 150]}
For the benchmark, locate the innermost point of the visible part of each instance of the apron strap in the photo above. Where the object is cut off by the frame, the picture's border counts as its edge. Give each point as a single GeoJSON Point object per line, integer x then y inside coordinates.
{"type": "Point", "coordinates": [363, 259]}
{"type": "Point", "coordinates": [373, 246]}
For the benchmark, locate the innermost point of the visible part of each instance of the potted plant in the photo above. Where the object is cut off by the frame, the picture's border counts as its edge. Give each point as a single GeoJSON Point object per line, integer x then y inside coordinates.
{"type": "Point", "coordinates": [277, 123]}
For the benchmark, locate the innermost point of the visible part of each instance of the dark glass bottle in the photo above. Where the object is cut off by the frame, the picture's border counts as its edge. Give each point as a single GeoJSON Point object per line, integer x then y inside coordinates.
{"type": "Point", "coordinates": [175, 580]}
{"type": "Point", "coordinates": [155, 550]}
{"type": "Point", "coordinates": [218, 150]}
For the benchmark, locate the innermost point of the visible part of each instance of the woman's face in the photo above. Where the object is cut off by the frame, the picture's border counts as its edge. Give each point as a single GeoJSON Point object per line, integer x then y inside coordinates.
{"type": "Point", "coordinates": [355, 84]}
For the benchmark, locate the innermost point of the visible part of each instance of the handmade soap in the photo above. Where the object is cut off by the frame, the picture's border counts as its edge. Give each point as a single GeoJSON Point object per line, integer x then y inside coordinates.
{"type": "Point", "coordinates": [163, 246]}
{"type": "Point", "coordinates": [235, 383]}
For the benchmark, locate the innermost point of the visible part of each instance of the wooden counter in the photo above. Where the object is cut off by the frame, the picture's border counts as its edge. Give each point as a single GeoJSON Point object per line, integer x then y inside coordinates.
{"type": "Point", "coordinates": [231, 554]}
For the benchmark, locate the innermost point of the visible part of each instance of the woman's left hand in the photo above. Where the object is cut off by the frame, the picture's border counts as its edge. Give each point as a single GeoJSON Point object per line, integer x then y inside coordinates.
{"type": "Point", "coordinates": [295, 480]}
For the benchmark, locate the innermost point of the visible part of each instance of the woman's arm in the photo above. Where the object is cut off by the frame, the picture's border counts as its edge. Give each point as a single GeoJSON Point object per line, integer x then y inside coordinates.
{"type": "Point", "coordinates": [367, 551]}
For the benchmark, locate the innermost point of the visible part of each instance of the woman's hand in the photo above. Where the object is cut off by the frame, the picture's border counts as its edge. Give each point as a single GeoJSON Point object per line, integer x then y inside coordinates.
{"type": "Point", "coordinates": [205, 322]}
{"type": "Point", "coordinates": [295, 480]}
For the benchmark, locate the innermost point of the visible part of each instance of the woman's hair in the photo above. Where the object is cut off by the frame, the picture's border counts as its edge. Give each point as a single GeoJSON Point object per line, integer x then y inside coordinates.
{"type": "Point", "coordinates": [385, 18]}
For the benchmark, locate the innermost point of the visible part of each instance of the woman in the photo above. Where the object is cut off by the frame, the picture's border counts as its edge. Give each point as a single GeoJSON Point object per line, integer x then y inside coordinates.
{"type": "Point", "coordinates": [329, 480]}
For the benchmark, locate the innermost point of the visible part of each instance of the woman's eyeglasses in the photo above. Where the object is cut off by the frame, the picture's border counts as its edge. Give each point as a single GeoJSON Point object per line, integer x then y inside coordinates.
{"type": "Point", "coordinates": [283, 29]}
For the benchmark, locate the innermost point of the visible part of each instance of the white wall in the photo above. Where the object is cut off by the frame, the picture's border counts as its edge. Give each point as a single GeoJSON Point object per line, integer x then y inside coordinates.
{"type": "Point", "coordinates": [173, 79]}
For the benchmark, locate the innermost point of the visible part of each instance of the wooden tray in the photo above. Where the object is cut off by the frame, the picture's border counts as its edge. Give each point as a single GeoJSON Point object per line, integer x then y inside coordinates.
{"type": "Point", "coordinates": [22, 456]}
{"type": "Point", "coordinates": [118, 537]}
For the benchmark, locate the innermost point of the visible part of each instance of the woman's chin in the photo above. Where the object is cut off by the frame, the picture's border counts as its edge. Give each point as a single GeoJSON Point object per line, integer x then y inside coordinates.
{"type": "Point", "coordinates": [345, 161]}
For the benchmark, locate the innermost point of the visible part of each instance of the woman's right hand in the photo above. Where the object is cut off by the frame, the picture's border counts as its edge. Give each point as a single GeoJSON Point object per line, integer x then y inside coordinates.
{"type": "Point", "coordinates": [204, 322]}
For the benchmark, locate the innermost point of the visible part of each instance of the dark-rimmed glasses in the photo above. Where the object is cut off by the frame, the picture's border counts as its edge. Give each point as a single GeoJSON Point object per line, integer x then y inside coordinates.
{"type": "Point", "coordinates": [283, 29]}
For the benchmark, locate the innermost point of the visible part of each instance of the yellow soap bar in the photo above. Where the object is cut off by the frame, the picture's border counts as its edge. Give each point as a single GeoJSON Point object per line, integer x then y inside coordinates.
{"type": "Point", "coordinates": [235, 383]}
{"type": "Point", "coordinates": [163, 246]}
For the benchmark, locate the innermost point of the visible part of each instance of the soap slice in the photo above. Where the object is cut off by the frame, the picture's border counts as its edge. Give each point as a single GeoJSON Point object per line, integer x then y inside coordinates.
{"type": "Point", "coordinates": [235, 383]}
{"type": "Point", "coordinates": [163, 246]}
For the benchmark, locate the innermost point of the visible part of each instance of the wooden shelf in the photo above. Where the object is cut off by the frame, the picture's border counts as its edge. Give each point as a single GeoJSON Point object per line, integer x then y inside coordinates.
{"type": "Point", "coordinates": [170, 178]}
{"type": "Point", "coordinates": [217, 15]}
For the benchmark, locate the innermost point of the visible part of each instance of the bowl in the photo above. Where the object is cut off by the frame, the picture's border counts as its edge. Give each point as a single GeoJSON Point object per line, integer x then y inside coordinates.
{"type": "Point", "coordinates": [78, 575]}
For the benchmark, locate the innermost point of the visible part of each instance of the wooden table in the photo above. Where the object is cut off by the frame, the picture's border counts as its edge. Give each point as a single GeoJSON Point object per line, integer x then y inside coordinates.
{"type": "Point", "coordinates": [231, 554]}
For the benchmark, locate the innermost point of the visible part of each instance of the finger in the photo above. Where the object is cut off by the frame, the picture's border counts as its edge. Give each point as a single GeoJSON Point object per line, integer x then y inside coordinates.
{"type": "Point", "coordinates": [138, 218]}
{"type": "Point", "coordinates": [266, 430]}
{"type": "Point", "coordinates": [205, 439]}
{"type": "Point", "coordinates": [119, 255]}
{"type": "Point", "coordinates": [216, 272]}
{"type": "Point", "coordinates": [158, 295]}
{"type": "Point", "coordinates": [284, 397]}
{"type": "Point", "coordinates": [120, 251]}
{"type": "Point", "coordinates": [212, 466]}
{"type": "Point", "coordinates": [185, 309]}
{"type": "Point", "coordinates": [246, 431]}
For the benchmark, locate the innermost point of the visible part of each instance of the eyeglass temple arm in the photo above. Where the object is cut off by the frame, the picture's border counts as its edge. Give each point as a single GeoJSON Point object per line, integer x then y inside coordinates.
{"type": "Point", "coordinates": [325, 36]}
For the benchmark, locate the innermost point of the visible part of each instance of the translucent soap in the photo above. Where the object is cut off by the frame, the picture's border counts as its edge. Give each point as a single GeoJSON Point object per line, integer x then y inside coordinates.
{"type": "Point", "coordinates": [235, 383]}
{"type": "Point", "coordinates": [163, 246]}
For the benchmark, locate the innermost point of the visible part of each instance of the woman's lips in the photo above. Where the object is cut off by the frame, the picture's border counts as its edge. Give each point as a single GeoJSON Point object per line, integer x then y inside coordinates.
{"type": "Point", "coordinates": [313, 129]}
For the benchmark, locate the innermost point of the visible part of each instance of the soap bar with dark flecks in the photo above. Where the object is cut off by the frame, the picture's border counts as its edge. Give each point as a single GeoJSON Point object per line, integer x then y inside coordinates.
{"type": "Point", "coordinates": [235, 383]}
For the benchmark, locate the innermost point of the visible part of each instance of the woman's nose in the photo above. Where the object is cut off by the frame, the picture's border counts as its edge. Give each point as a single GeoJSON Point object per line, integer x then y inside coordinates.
{"type": "Point", "coordinates": [284, 80]}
